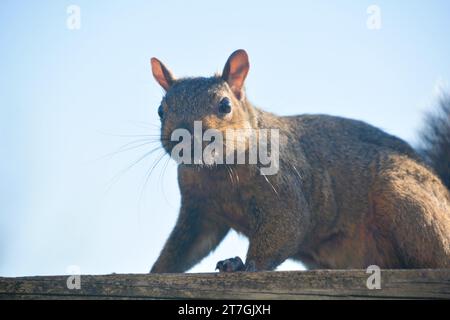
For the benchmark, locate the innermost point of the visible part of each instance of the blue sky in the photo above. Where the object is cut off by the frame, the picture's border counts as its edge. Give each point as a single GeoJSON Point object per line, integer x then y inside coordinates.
{"type": "Point", "coordinates": [69, 97]}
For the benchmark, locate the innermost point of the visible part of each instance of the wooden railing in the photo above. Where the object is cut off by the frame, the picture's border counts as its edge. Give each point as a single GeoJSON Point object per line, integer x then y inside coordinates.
{"type": "Point", "coordinates": [317, 284]}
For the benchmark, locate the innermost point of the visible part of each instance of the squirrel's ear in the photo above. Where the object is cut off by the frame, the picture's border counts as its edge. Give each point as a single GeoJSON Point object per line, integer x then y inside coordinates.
{"type": "Point", "coordinates": [236, 70]}
{"type": "Point", "coordinates": [162, 74]}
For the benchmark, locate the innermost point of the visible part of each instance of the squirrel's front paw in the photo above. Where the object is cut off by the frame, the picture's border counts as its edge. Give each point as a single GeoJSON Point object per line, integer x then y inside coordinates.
{"type": "Point", "coordinates": [230, 265]}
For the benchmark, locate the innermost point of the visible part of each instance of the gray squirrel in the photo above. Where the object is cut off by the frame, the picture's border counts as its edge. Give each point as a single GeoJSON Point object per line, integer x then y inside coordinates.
{"type": "Point", "coordinates": [347, 194]}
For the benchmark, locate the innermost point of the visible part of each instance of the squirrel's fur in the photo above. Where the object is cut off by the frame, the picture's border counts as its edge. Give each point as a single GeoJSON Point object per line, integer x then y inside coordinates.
{"type": "Point", "coordinates": [347, 195]}
{"type": "Point", "coordinates": [436, 140]}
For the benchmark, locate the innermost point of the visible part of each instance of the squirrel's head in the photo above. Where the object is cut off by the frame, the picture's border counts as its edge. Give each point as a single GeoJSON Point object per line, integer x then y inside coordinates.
{"type": "Point", "coordinates": [218, 102]}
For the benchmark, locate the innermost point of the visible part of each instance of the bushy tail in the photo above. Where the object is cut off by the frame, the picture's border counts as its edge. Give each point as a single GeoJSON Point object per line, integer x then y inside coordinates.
{"type": "Point", "coordinates": [436, 140]}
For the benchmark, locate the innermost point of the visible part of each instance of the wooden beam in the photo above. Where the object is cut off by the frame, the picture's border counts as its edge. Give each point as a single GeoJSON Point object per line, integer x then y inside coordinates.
{"type": "Point", "coordinates": [317, 284]}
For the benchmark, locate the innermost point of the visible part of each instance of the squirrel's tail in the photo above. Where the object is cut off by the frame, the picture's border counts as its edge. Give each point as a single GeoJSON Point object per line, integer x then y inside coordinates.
{"type": "Point", "coordinates": [436, 140]}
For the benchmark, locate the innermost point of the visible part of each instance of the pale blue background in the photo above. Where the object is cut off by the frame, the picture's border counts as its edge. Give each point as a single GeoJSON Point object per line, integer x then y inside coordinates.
{"type": "Point", "coordinates": [66, 97]}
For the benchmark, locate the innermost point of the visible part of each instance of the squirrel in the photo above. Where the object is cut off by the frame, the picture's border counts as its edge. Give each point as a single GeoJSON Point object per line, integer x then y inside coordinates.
{"type": "Point", "coordinates": [347, 195]}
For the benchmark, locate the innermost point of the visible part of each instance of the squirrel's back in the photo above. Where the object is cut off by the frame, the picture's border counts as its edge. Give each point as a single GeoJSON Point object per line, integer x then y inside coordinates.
{"type": "Point", "coordinates": [341, 138]}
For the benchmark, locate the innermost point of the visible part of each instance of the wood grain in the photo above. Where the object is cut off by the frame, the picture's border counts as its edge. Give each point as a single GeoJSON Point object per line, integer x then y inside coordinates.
{"type": "Point", "coordinates": [317, 284]}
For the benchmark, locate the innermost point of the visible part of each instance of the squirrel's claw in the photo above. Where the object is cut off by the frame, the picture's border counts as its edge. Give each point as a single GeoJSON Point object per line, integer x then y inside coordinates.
{"type": "Point", "coordinates": [230, 265]}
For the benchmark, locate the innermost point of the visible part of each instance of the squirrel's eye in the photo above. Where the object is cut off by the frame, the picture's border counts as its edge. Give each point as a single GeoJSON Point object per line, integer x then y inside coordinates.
{"type": "Point", "coordinates": [160, 111]}
{"type": "Point", "coordinates": [225, 105]}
